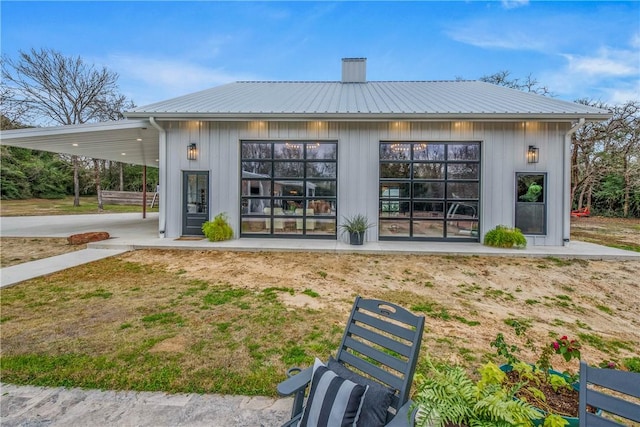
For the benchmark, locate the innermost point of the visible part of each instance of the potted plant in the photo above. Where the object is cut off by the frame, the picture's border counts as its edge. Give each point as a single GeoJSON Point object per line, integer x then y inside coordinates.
{"type": "Point", "coordinates": [218, 229]}
{"type": "Point", "coordinates": [505, 237]}
{"type": "Point", "coordinates": [447, 397]}
{"type": "Point", "coordinates": [356, 226]}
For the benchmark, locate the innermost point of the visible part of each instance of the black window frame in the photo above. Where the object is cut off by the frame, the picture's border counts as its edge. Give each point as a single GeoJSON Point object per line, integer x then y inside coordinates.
{"type": "Point", "coordinates": [282, 200]}
{"type": "Point", "coordinates": [408, 202]}
{"type": "Point", "coordinates": [522, 204]}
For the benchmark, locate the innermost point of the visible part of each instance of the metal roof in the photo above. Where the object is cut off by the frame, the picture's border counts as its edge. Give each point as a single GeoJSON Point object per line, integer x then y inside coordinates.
{"type": "Point", "coordinates": [128, 141]}
{"type": "Point", "coordinates": [386, 100]}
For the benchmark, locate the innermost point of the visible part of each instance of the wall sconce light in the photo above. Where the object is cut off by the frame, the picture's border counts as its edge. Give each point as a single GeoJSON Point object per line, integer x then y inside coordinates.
{"type": "Point", "coordinates": [192, 151]}
{"type": "Point", "coordinates": [533, 154]}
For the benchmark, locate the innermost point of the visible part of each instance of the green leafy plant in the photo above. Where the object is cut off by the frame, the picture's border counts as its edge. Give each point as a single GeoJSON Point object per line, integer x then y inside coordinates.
{"type": "Point", "coordinates": [540, 385]}
{"type": "Point", "coordinates": [505, 237]}
{"type": "Point", "coordinates": [355, 224]}
{"type": "Point", "coordinates": [447, 395]}
{"type": "Point", "coordinates": [218, 229]}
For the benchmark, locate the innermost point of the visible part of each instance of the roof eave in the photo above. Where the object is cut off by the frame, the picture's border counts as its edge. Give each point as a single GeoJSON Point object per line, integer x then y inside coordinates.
{"type": "Point", "coordinates": [373, 117]}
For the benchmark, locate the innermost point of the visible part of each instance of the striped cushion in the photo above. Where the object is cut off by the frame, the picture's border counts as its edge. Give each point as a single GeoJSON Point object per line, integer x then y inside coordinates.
{"type": "Point", "coordinates": [333, 401]}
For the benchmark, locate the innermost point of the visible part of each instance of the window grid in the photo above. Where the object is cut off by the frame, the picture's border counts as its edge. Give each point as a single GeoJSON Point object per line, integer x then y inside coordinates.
{"type": "Point", "coordinates": [288, 189]}
{"type": "Point", "coordinates": [429, 190]}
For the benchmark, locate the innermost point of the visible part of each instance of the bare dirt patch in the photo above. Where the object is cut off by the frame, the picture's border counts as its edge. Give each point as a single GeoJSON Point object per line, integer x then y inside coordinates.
{"type": "Point", "coordinates": [467, 299]}
{"type": "Point", "coordinates": [16, 250]}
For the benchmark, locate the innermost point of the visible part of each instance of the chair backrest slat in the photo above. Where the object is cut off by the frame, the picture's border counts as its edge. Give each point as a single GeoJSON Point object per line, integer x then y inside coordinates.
{"type": "Point", "coordinates": [373, 371]}
{"type": "Point", "coordinates": [387, 327]}
{"type": "Point", "coordinates": [613, 380]}
{"type": "Point", "coordinates": [377, 355]}
{"type": "Point", "coordinates": [382, 340]}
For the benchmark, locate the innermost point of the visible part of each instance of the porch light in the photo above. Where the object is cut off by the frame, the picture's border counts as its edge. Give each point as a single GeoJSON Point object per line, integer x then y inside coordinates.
{"type": "Point", "coordinates": [532, 154]}
{"type": "Point", "coordinates": [192, 151]}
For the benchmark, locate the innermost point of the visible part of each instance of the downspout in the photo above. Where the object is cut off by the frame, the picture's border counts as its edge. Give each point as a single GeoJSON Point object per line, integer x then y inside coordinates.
{"type": "Point", "coordinates": [162, 177]}
{"type": "Point", "coordinates": [566, 183]}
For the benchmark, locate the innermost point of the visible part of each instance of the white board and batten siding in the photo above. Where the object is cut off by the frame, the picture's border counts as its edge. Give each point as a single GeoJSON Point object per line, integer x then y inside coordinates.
{"type": "Point", "coordinates": [504, 146]}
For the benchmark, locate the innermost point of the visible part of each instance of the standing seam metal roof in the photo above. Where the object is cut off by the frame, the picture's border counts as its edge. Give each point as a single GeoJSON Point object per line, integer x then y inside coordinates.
{"type": "Point", "coordinates": [425, 98]}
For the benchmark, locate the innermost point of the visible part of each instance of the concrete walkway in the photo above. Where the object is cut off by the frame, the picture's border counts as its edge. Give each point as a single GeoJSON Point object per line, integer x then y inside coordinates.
{"type": "Point", "coordinates": [59, 407]}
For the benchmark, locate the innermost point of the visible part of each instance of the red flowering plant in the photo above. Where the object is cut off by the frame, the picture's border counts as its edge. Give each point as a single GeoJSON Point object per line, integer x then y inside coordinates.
{"type": "Point", "coordinates": [569, 349]}
{"type": "Point", "coordinates": [541, 386]}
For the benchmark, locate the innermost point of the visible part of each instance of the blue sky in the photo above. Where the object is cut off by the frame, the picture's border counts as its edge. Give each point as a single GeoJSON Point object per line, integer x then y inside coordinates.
{"type": "Point", "coordinates": [170, 48]}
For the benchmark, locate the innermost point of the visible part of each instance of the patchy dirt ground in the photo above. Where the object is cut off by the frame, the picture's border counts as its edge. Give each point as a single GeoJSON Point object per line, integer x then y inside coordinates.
{"type": "Point", "coordinates": [16, 250]}
{"type": "Point", "coordinates": [467, 299]}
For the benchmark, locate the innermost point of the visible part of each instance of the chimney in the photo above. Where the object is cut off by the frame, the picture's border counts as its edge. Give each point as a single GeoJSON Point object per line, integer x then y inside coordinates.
{"type": "Point", "coordinates": [354, 70]}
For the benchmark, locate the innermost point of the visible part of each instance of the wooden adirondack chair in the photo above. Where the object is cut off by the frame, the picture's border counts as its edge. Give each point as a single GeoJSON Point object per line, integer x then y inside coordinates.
{"type": "Point", "coordinates": [380, 349]}
{"type": "Point", "coordinates": [608, 380]}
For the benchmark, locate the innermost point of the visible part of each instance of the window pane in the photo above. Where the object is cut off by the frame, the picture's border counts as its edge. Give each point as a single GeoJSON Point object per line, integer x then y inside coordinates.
{"type": "Point", "coordinates": [255, 225]}
{"type": "Point", "coordinates": [395, 151]}
{"type": "Point", "coordinates": [256, 169]}
{"type": "Point", "coordinates": [394, 227]}
{"type": "Point", "coordinates": [288, 150]}
{"type": "Point", "coordinates": [394, 208]}
{"type": "Point", "coordinates": [394, 190]}
{"type": "Point", "coordinates": [395, 170]}
{"type": "Point", "coordinates": [321, 189]}
{"type": "Point", "coordinates": [256, 187]}
{"type": "Point", "coordinates": [323, 226]}
{"type": "Point", "coordinates": [462, 190]}
{"type": "Point", "coordinates": [428, 190]}
{"type": "Point", "coordinates": [322, 151]}
{"type": "Point", "coordinates": [466, 210]}
{"type": "Point", "coordinates": [288, 169]}
{"type": "Point", "coordinates": [321, 170]}
{"type": "Point", "coordinates": [531, 188]}
{"type": "Point", "coordinates": [428, 152]}
{"type": "Point", "coordinates": [463, 152]}
{"type": "Point", "coordinates": [463, 171]}
{"type": "Point", "coordinates": [322, 207]}
{"type": "Point", "coordinates": [256, 150]}
{"type": "Point", "coordinates": [428, 170]}
{"type": "Point", "coordinates": [428, 209]}
{"type": "Point", "coordinates": [433, 229]}
{"type": "Point", "coordinates": [530, 218]}
{"type": "Point", "coordinates": [256, 206]}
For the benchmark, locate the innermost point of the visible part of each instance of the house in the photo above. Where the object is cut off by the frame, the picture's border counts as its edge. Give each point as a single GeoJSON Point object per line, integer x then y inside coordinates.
{"type": "Point", "coordinates": [423, 160]}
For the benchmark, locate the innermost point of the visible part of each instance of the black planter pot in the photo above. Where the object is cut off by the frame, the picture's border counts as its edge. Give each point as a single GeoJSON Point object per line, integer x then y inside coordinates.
{"type": "Point", "coordinates": [356, 237]}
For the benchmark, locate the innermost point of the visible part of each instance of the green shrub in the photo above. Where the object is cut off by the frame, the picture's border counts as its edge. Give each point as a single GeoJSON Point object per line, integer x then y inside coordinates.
{"type": "Point", "coordinates": [505, 237]}
{"type": "Point", "coordinates": [218, 229]}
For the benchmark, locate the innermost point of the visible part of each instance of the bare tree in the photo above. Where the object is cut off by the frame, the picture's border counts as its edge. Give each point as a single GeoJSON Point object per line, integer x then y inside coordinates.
{"type": "Point", "coordinates": [529, 84]}
{"type": "Point", "coordinates": [45, 87]}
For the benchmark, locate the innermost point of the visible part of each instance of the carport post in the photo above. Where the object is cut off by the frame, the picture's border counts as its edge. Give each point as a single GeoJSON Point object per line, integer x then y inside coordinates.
{"type": "Point", "coordinates": [144, 191]}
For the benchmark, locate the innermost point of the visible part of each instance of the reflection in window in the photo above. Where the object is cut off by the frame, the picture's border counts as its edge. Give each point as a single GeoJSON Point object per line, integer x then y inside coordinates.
{"type": "Point", "coordinates": [429, 190]}
{"type": "Point", "coordinates": [531, 208]}
{"type": "Point", "coordinates": [289, 188]}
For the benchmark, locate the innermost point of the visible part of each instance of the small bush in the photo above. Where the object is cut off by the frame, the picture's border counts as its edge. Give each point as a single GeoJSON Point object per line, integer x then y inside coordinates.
{"type": "Point", "coordinates": [218, 229]}
{"type": "Point", "coordinates": [504, 237]}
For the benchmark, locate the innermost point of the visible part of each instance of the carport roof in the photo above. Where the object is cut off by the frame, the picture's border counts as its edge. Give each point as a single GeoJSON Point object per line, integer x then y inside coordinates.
{"type": "Point", "coordinates": [129, 141]}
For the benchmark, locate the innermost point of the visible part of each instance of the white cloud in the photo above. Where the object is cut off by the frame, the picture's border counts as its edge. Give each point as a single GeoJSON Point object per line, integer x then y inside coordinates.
{"type": "Point", "coordinates": [605, 63]}
{"type": "Point", "coordinates": [150, 80]}
{"type": "Point", "coordinates": [489, 38]}
{"type": "Point", "coordinates": [513, 4]}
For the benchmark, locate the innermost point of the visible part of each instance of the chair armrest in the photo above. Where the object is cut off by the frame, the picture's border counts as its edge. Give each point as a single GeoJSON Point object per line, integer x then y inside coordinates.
{"type": "Point", "coordinates": [295, 383]}
{"type": "Point", "coordinates": [402, 418]}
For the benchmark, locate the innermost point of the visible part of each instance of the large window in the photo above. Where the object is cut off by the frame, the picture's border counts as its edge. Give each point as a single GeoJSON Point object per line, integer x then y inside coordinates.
{"type": "Point", "coordinates": [429, 190]}
{"type": "Point", "coordinates": [289, 188]}
{"type": "Point", "coordinates": [531, 205]}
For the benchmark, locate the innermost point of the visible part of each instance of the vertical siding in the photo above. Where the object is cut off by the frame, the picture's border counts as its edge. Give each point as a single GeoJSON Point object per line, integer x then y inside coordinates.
{"type": "Point", "coordinates": [504, 147]}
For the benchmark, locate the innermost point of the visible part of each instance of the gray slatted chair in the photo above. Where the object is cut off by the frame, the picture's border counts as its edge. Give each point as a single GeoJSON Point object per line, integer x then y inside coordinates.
{"type": "Point", "coordinates": [381, 341]}
{"type": "Point", "coordinates": [613, 380]}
